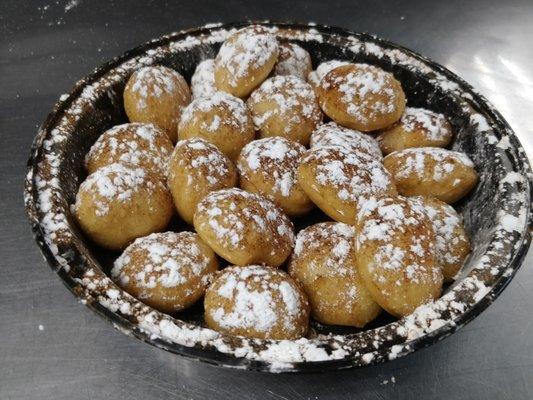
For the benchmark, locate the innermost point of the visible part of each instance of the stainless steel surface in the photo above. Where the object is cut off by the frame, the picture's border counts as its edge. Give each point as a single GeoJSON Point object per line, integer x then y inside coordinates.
{"type": "Point", "coordinates": [52, 347]}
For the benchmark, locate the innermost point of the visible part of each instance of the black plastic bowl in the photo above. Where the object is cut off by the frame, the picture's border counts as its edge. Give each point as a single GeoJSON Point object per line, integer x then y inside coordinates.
{"type": "Point", "coordinates": [496, 213]}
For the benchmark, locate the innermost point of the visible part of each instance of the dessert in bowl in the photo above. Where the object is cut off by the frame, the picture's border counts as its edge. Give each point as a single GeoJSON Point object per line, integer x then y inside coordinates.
{"type": "Point", "coordinates": [341, 179]}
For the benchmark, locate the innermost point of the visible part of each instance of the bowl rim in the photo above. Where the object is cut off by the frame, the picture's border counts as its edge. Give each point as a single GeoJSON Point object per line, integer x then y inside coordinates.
{"type": "Point", "coordinates": [214, 356]}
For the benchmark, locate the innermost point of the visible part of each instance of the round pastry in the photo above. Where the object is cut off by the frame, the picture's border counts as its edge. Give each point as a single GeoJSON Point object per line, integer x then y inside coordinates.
{"type": "Point", "coordinates": [168, 271]}
{"type": "Point", "coordinates": [428, 171]}
{"type": "Point", "coordinates": [197, 168]}
{"type": "Point", "coordinates": [119, 203]}
{"type": "Point", "coordinates": [316, 76]}
{"type": "Point", "coordinates": [245, 59]}
{"type": "Point", "coordinates": [452, 244]}
{"type": "Point", "coordinates": [203, 79]}
{"type": "Point", "coordinates": [221, 119]}
{"type": "Point", "coordinates": [256, 302]}
{"type": "Point", "coordinates": [293, 60]}
{"type": "Point", "coordinates": [156, 95]}
{"type": "Point", "coordinates": [331, 134]}
{"type": "Point", "coordinates": [324, 263]}
{"type": "Point", "coordinates": [335, 178]}
{"type": "Point", "coordinates": [137, 144]}
{"type": "Point", "coordinates": [268, 167]}
{"type": "Point", "coordinates": [395, 250]}
{"type": "Point", "coordinates": [285, 106]}
{"type": "Point", "coordinates": [361, 96]}
{"type": "Point", "coordinates": [244, 228]}
{"type": "Point", "coordinates": [417, 127]}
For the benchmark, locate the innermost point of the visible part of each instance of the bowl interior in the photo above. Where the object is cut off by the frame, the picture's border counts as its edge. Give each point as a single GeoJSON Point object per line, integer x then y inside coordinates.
{"type": "Point", "coordinates": [97, 110]}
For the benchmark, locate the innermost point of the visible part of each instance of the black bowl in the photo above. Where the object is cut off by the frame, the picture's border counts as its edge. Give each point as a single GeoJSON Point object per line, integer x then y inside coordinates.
{"type": "Point", "coordinates": [496, 213]}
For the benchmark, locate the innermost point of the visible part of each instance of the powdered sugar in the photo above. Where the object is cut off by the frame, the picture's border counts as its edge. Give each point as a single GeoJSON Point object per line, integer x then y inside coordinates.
{"type": "Point", "coordinates": [249, 213]}
{"type": "Point", "coordinates": [199, 158]}
{"type": "Point", "coordinates": [359, 87]}
{"type": "Point", "coordinates": [274, 159]}
{"type": "Point", "coordinates": [247, 49]}
{"type": "Point", "coordinates": [166, 259]}
{"type": "Point", "coordinates": [203, 79]}
{"type": "Point", "coordinates": [262, 299]}
{"type": "Point", "coordinates": [336, 240]}
{"type": "Point", "coordinates": [331, 134]}
{"type": "Point", "coordinates": [219, 108]}
{"type": "Point", "coordinates": [293, 60]}
{"type": "Point", "coordinates": [115, 182]}
{"type": "Point", "coordinates": [447, 225]}
{"type": "Point", "coordinates": [316, 76]}
{"type": "Point", "coordinates": [382, 222]}
{"type": "Point", "coordinates": [138, 144]}
{"type": "Point", "coordinates": [434, 125]}
{"type": "Point", "coordinates": [154, 81]}
{"type": "Point", "coordinates": [415, 162]}
{"type": "Point", "coordinates": [292, 101]}
{"type": "Point", "coordinates": [351, 174]}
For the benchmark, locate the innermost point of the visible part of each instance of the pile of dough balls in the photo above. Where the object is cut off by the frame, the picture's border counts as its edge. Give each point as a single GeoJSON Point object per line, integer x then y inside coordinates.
{"type": "Point", "coordinates": [257, 142]}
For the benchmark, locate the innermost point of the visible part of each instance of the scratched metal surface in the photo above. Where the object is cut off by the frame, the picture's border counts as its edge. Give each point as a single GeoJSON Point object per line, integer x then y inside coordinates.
{"type": "Point", "coordinates": [52, 347]}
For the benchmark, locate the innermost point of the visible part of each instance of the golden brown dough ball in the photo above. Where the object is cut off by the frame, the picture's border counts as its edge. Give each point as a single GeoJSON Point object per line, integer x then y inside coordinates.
{"type": "Point", "coordinates": [417, 127]}
{"type": "Point", "coordinates": [316, 76]}
{"type": "Point", "coordinates": [361, 96]}
{"type": "Point", "coordinates": [285, 106]}
{"type": "Point", "coordinates": [331, 134]}
{"type": "Point", "coordinates": [203, 79]}
{"type": "Point", "coordinates": [268, 167]}
{"type": "Point", "coordinates": [221, 119]}
{"type": "Point", "coordinates": [119, 203]}
{"type": "Point", "coordinates": [137, 144]}
{"type": "Point", "coordinates": [168, 271]}
{"type": "Point", "coordinates": [428, 171]}
{"type": "Point", "coordinates": [156, 95]}
{"type": "Point", "coordinates": [197, 168]}
{"type": "Point", "coordinates": [452, 243]}
{"type": "Point", "coordinates": [245, 59]}
{"type": "Point", "coordinates": [324, 263]}
{"type": "Point", "coordinates": [293, 60]}
{"type": "Point", "coordinates": [395, 250]}
{"type": "Point", "coordinates": [244, 228]}
{"type": "Point", "coordinates": [335, 179]}
{"type": "Point", "coordinates": [256, 302]}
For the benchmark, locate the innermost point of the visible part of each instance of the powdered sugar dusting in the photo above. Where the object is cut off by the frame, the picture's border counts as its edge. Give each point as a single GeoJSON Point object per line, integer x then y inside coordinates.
{"type": "Point", "coordinates": [232, 112]}
{"type": "Point", "coordinates": [154, 81]}
{"type": "Point", "coordinates": [275, 159]}
{"type": "Point", "coordinates": [138, 144]}
{"type": "Point", "coordinates": [169, 260]}
{"type": "Point", "coordinates": [381, 220]}
{"type": "Point", "coordinates": [295, 102]}
{"type": "Point", "coordinates": [447, 224]}
{"type": "Point", "coordinates": [316, 76]}
{"type": "Point", "coordinates": [262, 298]}
{"type": "Point", "coordinates": [338, 238]}
{"type": "Point", "coordinates": [249, 48]}
{"type": "Point", "coordinates": [416, 162]}
{"type": "Point", "coordinates": [358, 86]}
{"type": "Point", "coordinates": [351, 174]}
{"type": "Point", "coordinates": [115, 182]}
{"type": "Point", "coordinates": [434, 125]}
{"type": "Point", "coordinates": [203, 79]}
{"type": "Point", "coordinates": [293, 60]}
{"type": "Point", "coordinates": [199, 157]}
{"type": "Point", "coordinates": [254, 213]}
{"type": "Point", "coordinates": [331, 134]}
